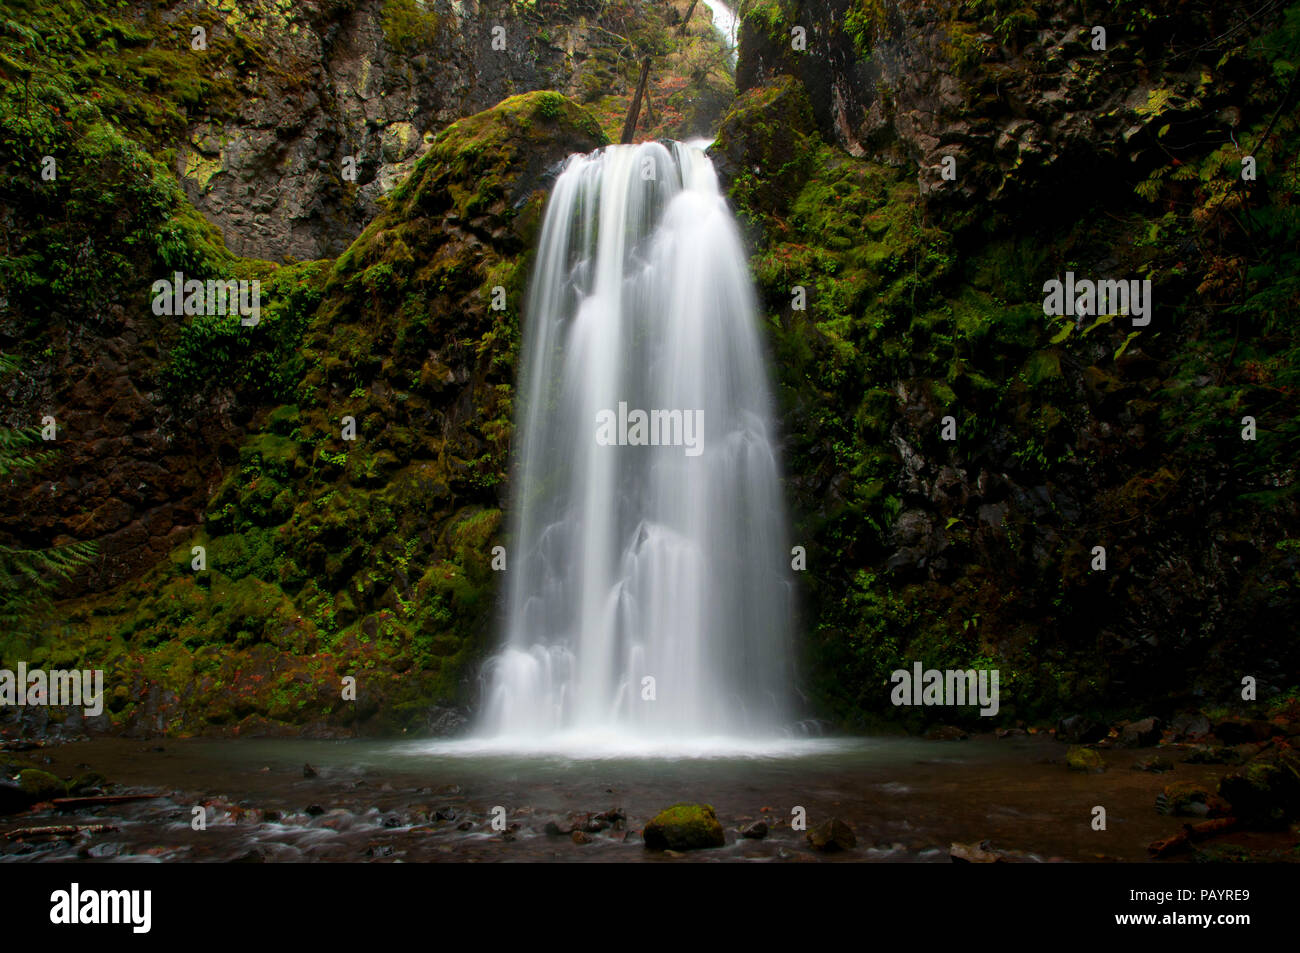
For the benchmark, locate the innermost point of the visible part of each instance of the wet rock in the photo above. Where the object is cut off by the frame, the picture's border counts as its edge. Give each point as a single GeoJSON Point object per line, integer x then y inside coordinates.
{"type": "Point", "coordinates": [1140, 734]}
{"type": "Point", "coordinates": [972, 854]}
{"type": "Point", "coordinates": [1079, 758]}
{"type": "Point", "coordinates": [315, 810]}
{"type": "Point", "coordinates": [1190, 799]}
{"type": "Point", "coordinates": [1156, 765]}
{"type": "Point", "coordinates": [1211, 754]}
{"type": "Point", "coordinates": [465, 826]}
{"type": "Point", "coordinates": [380, 850]}
{"type": "Point", "coordinates": [445, 814]}
{"type": "Point", "coordinates": [1236, 731]}
{"type": "Point", "coordinates": [558, 828]}
{"type": "Point", "coordinates": [308, 771]}
{"type": "Point", "coordinates": [985, 853]}
{"type": "Point", "coordinates": [90, 784]}
{"type": "Point", "coordinates": [755, 831]}
{"type": "Point", "coordinates": [613, 816]}
{"type": "Point", "coordinates": [444, 721]}
{"type": "Point", "coordinates": [1265, 793]}
{"type": "Point", "coordinates": [580, 837]}
{"type": "Point", "coordinates": [1188, 725]}
{"type": "Point", "coordinates": [685, 827]}
{"type": "Point", "coordinates": [1003, 733]}
{"type": "Point", "coordinates": [1079, 730]}
{"type": "Point", "coordinates": [946, 733]}
{"type": "Point", "coordinates": [41, 785]}
{"type": "Point", "coordinates": [102, 851]}
{"type": "Point", "coordinates": [832, 835]}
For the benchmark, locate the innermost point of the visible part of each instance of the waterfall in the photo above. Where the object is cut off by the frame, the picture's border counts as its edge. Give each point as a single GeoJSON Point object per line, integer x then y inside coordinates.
{"type": "Point", "coordinates": [726, 25]}
{"type": "Point", "coordinates": [649, 590]}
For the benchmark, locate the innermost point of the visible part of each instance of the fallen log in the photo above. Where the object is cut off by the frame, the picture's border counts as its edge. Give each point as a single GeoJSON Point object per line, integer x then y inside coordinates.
{"type": "Point", "coordinates": [60, 830]}
{"type": "Point", "coordinates": [98, 800]}
{"type": "Point", "coordinates": [1192, 833]}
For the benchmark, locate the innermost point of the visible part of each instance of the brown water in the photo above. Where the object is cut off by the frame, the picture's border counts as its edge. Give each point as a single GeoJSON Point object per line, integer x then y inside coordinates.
{"type": "Point", "coordinates": [907, 800]}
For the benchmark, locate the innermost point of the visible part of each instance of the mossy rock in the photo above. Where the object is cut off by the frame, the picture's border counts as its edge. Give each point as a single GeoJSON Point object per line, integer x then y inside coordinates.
{"type": "Point", "coordinates": [831, 836]}
{"type": "Point", "coordinates": [41, 785]}
{"type": "Point", "coordinates": [1079, 758]}
{"type": "Point", "coordinates": [1190, 799]}
{"type": "Point", "coordinates": [685, 827]}
{"type": "Point", "coordinates": [1265, 793]}
{"type": "Point", "coordinates": [766, 145]}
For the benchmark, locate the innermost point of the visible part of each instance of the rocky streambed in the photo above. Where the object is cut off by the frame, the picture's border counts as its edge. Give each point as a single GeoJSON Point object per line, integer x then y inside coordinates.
{"type": "Point", "coordinates": [1016, 798]}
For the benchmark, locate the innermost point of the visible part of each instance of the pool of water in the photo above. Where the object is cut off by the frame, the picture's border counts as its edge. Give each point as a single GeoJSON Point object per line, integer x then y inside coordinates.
{"type": "Point", "coordinates": [907, 799]}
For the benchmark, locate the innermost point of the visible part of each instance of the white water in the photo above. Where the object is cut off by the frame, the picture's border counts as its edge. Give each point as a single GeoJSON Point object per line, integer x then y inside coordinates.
{"type": "Point", "coordinates": [724, 21]}
{"type": "Point", "coordinates": [628, 562]}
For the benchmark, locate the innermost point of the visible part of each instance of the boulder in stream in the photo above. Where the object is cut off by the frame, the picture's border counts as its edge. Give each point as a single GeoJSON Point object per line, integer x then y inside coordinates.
{"type": "Point", "coordinates": [684, 827]}
{"type": "Point", "coordinates": [830, 836]}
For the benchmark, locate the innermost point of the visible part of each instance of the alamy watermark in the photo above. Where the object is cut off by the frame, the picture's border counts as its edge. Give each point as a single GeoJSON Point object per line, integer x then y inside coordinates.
{"type": "Point", "coordinates": [177, 296]}
{"type": "Point", "coordinates": [77, 906]}
{"type": "Point", "coordinates": [656, 428]}
{"type": "Point", "coordinates": [77, 689]}
{"type": "Point", "coordinates": [1098, 298]}
{"type": "Point", "coordinates": [948, 687]}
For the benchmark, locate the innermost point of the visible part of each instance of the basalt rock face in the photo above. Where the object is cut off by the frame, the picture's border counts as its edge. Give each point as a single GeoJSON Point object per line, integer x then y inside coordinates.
{"type": "Point", "coordinates": [352, 529]}
{"type": "Point", "coordinates": [1076, 502]}
{"type": "Point", "coordinates": [368, 82]}
{"type": "Point", "coordinates": [1025, 101]}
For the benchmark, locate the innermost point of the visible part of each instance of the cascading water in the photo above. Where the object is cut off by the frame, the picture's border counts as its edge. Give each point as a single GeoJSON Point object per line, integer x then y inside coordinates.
{"type": "Point", "coordinates": [649, 597]}
{"type": "Point", "coordinates": [724, 22]}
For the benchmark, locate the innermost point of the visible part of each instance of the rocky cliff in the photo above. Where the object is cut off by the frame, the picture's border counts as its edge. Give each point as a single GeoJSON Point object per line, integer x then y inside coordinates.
{"type": "Point", "coordinates": [1115, 156]}
{"type": "Point", "coordinates": [909, 174]}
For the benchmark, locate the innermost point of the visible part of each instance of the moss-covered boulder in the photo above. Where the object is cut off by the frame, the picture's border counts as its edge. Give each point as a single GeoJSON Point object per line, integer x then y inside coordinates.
{"type": "Point", "coordinates": [766, 146]}
{"type": "Point", "coordinates": [1190, 799]}
{"type": "Point", "coordinates": [1265, 793]}
{"type": "Point", "coordinates": [41, 785]}
{"type": "Point", "coordinates": [831, 836]}
{"type": "Point", "coordinates": [685, 827]}
{"type": "Point", "coordinates": [1087, 760]}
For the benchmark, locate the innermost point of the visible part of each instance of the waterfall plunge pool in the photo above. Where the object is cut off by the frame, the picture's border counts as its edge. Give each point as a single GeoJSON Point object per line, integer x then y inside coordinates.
{"type": "Point", "coordinates": [908, 800]}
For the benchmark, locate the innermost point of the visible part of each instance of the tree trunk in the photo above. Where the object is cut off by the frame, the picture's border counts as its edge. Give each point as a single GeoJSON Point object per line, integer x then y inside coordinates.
{"type": "Point", "coordinates": [687, 22]}
{"type": "Point", "coordinates": [629, 127]}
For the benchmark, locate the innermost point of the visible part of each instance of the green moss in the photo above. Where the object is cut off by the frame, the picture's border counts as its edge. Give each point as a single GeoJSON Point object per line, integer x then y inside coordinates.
{"type": "Point", "coordinates": [41, 785]}
{"type": "Point", "coordinates": [684, 827]}
{"type": "Point", "coordinates": [1087, 760]}
{"type": "Point", "coordinates": [410, 26]}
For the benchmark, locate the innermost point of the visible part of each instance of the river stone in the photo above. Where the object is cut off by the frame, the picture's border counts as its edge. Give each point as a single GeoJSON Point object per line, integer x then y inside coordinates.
{"type": "Point", "coordinates": [1190, 799]}
{"type": "Point", "coordinates": [946, 733]}
{"type": "Point", "coordinates": [1236, 731]}
{"type": "Point", "coordinates": [41, 785]}
{"type": "Point", "coordinates": [755, 831]}
{"type": "Point", "coordinates": [1155, 764]}
{"type": "Point", "coordinates": [832, 835]}
{"type": "Point", "coordinates": [684, 827]}
{"type": "Point", "coordinates": [1079, 729]}
{"type": "Point", "coordinates": [1140, 734]}
{"type": "Point", "coordinates": [1079, 758]}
